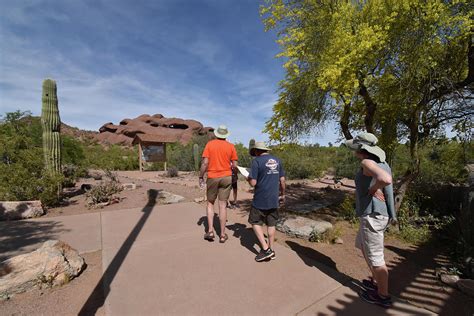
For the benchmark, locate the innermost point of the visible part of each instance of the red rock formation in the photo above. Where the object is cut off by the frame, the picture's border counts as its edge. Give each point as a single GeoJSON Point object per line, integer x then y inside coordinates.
{"type": "Point", "coordinates": [123, 134]}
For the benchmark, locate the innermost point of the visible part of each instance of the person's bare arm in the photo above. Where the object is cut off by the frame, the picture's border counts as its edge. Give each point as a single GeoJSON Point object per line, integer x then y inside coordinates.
{"type": "Point", "coordinates": [282, 189]}
{"type": "Point", "coordinates": [381, 177]}
{"type": "Point", "coordinates": [252, 182]}
{"type": "Point", "coordinates": [234, 164]}
{"type": "Point", "coordinates": [204, 166]}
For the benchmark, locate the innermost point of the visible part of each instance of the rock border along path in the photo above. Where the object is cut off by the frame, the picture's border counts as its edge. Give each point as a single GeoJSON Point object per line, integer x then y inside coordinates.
{"type": "Point", "coordinates": [168, 269]}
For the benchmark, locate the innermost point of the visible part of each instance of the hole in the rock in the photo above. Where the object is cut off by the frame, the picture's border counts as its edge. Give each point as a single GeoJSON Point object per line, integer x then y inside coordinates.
{"type": "Point", "coordinates": [132, 133]}
{"type": "Point", "coordinates": [178, 126]}
{"type": "Point", "coordinates": [154, 124]}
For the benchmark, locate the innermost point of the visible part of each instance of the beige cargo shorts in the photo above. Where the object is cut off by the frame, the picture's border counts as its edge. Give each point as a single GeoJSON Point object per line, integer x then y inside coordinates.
{"type": "Point", "coordinates": [218, 188]}
{"type": "Point", "coordinates": [370, 238]}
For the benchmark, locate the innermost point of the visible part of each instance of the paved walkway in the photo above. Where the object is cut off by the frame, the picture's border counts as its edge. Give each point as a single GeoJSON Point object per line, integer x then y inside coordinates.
{"type": "Point", "coordinates": [156, 262]}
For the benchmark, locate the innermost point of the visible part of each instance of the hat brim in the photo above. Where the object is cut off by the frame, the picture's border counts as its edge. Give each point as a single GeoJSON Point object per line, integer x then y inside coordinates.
{"type": "Point", "coordinates": [219, 135]}
{"type": "Point", "coordinates": [350, 144]}
{"type": "Point", "coordinates": [252, 150]}
{"type": "Point", "coordinates": [374, 150]}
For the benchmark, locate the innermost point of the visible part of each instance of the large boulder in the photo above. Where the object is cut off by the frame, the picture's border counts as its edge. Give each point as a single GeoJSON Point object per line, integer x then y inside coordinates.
{"type": "Point", "coordinates": [55, 263]}
{"type": "Point", "coordinates": [302, 227]}
{"type": "Point", "coordinates": [13, 210]}
{"type": "Point", "coordinates": [169, 198]}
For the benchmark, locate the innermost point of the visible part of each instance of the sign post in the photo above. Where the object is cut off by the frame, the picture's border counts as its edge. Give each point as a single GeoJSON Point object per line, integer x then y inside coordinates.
{"type": "Point", "coordinates": [151, 148]}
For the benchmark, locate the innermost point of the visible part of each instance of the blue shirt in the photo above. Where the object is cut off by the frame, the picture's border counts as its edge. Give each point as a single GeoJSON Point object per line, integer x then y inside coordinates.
{"type": "Point", "coordinates": [267, 170]}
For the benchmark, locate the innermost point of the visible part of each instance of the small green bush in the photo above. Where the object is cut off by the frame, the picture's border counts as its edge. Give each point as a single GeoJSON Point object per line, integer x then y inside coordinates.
{"type": "Point", "coordinates": [105, 191]}
{"type": "Point", "coordinates": [172, 172]}
{"type": "Point", "coordinates": [347, 209]}
{"type": "Point", "coordinates": [418, 229]}
{"type": "Point", "coordinates": [329, 236]}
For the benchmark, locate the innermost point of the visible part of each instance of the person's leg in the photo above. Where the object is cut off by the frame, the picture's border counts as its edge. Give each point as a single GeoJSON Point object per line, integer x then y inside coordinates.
{"type": "Point", "coordinates": [373, 250]}
{"type": "Point", "coordinates": [210, 216]}
{"type": "Point", "coordinates": [225, 185]}
{"type": "Point", "coordinates": [381, 277]}
{"type": "Point", "coordinates": [360, 244]}
{"type": "Point", "coordinates": [368, 265]}
{"type": "Point", "coordinates": [222, 216]}
{"type": "Point", "coordinates": [211, 193]}
{"type": "Point", "coordinates": [271, 220]}
{"type": "Point", "coordinates": [258, 229]}
{"type": "Point", "coordinates": [234, 189]}
{"type": "Point", "coordinates": [271, 236]}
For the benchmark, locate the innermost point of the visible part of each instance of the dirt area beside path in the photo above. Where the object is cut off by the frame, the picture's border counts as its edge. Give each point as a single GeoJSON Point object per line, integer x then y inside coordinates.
{"type": "Point", "coordinates": [67, 300]}
{"type": "Point", "coordinates": [411, 268]}
{"type": "Point", "coordinates": [75, 202]}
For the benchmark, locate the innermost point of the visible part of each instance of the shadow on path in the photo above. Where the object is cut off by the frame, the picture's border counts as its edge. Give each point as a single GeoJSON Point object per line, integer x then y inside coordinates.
{"type": "Point", "coordinates": [350, 303]}
{"type": "Point", "coordinates": [17, 237]}
{"type": "Point", "coordinates": [215, 222]}
{"type": "Point", "coordinates": [414, 279]}
{"type": "Point", "coordinates": [246, 235]}
{"type": "Point", "coordinates": [102, 289]}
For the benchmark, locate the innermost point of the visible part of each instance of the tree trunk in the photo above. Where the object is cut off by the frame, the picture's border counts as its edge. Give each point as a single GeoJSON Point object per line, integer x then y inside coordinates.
{"type": "Point", "coordinates": [345, 120]}
{"type": "Point", "coordinates": [370, 107]}
{"type": "Point", "coordinates": [414, 168]}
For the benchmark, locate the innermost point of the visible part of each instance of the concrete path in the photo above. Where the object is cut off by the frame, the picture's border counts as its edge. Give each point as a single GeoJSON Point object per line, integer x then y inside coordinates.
{"type": "Point", "coordinates": [156, 262]}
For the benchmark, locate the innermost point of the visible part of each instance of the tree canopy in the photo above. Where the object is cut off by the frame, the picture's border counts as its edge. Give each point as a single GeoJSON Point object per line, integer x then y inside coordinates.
{"type": "Point", "coordinates": [396, 68]}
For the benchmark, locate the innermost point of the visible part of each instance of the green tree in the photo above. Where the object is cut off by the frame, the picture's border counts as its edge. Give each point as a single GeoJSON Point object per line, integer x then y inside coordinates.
{"type": "Point", "coordinates": [401, 69]}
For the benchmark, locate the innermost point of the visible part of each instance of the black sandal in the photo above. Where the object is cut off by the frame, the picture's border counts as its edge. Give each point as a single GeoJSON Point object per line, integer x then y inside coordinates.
{"type": "Point", "coordinates": [209, 236]}
{"type": "Point", "coordinates": [223, 239]}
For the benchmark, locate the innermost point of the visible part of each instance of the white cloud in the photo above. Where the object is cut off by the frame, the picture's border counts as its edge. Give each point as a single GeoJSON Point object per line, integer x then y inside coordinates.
{"type": "Point", "coordinates": [100, 83]}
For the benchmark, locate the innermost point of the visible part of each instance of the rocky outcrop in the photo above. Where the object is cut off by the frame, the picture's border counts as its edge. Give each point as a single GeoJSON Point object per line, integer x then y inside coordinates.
{"type": "Point", "coordinates": [55, 263]}
{"type": "Point", "coordinates": [180, 130]}
{"type": "Point", "coordinates": [302, 227]}
{"type": "Point", "coordinates": [13, 210]}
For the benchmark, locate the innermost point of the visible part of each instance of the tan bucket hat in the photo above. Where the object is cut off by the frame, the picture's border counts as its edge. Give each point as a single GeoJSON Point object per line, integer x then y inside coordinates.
{"type": "Point", "coordinates": [222, 132]}
{"type": "Point", "coordinates": [260, 146]}
{"type": "Point", "coordinates": [366, 141]}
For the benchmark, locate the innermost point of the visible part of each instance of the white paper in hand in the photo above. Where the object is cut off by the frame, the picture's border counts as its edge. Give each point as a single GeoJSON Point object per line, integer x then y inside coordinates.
{"type": "Point", "coordinates": [243, 171]}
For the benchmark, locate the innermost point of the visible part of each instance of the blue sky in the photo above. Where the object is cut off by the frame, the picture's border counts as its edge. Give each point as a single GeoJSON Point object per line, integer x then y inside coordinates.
{"type": "Point", "coordinates": [208, 60]}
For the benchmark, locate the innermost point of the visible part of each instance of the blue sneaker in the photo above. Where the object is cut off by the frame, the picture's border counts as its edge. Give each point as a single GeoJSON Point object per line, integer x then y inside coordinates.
{"type": "Point", "coordinates": [373, 297]}
{"type": "Point", "coordinates": [369, 285]}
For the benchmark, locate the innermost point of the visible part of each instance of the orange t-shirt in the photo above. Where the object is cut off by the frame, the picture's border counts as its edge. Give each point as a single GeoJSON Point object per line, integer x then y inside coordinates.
{"type": "Point", "coordinates": [220, 154]}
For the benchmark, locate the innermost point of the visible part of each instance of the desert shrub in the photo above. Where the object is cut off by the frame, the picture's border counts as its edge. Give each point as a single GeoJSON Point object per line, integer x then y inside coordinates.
{"type": "Point", "coordinates": [303, 162]}
{"type": "Point", "coordinates": [172, 172]}
{"type": "Point", "coordinates": [22, 172]}
{"type": "Point", "coordinates": [416, 228]}
{"type": "Point", "coordinates": [315, 236]}
{"type": "Point", "coordinates": [345, 163]}
{"type": "Point", "coordinates": [181, 156]}
{"type": "Point", "coordinates": [347, 209]}
{"type": "Point", "coordinates": [114, 157]}
{"type": "Point", "coordinates": [329, 236]}
{"type": "Point", "coordinates": [105, 191]}
{"type": "Point", "coordinates": [72, 151]}
{"type": "Point", "coordinates": [243, 153]}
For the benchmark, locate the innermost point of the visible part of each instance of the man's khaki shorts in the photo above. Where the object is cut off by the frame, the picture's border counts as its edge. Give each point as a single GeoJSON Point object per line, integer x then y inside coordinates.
{"type": "Point", "coordinates": [219, 188]}
{"type": "Point", "coordinates": [370, 238]}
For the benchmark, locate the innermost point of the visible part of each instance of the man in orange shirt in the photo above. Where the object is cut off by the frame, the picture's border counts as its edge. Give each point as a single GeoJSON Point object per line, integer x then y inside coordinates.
{"type": "Point", "coordinates": [219, 158]}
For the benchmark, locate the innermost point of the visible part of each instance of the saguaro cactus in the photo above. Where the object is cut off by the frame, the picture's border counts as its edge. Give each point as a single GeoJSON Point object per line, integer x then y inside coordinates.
{"type": "Point", "coordinates": [196, 156]}
{"type": "Point", "coordinates": [251, 145]}
{"type": "Point", "coordinates": [51, 124]}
